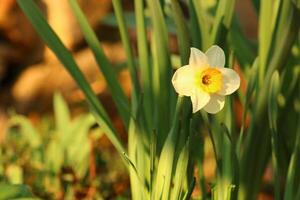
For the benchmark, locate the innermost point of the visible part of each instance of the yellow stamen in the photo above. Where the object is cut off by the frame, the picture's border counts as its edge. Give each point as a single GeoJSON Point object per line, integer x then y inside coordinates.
{"type": "Point", "coordinates": [211, 80]}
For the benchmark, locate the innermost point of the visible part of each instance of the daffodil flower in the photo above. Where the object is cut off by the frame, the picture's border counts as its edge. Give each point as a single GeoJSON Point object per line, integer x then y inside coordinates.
{"type": "Point", "coordinates": [206, 80]}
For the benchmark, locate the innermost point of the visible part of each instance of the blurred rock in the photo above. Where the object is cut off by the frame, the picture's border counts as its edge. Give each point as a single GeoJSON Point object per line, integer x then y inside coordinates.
{"type": "Point", "coordinates": [36, 85]}
{"type": "Point", "coordinates": [14, 26]}
{"type": "Point", "coordinates": [19, 44]}
{"type": "Point", "coordinates": [62, 20]}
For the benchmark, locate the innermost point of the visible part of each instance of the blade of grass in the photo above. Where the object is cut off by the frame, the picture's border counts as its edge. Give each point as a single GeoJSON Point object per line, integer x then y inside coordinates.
{"type": "Point", "coordinates": [258, 132]}
{"type": "Point", "coordinates": [51, 39]}
{"type": "Point", "coordinates": [144, 61]}
{"type": "Point", "coordinates": [128, 50]}
{"type": "Point", "coordinates": [272, 116]}
{"type": "Point", "coordinates": [188, 194]}
{"type": "Point", "coordinates": [161, 73]}
{"type": "Point", "coordinates": [252, 85]}
{"type": "Point", "coordinates": [118, 95]}
{"type": "Point", "coordinates": [180, 172]}
{"type": "Point", "coordinates": [202, 23]}
{"type": "Point", "coordinates": [182, 32]}
{"type": "Point", "coordinates": [167, 157]}
{"type": "Point", "coordinates": [293, 167]}
{"type": "Point", "coordinates": [222, 21]}
{"type": "Point", "coordinates": [14, 191]}
{"type": "Point", "coordinates": [241, 45]}
{"type": "Point", "coordinates": [194, 26]}
{"type": "Point", "coordinates": [132, 150]}
{"type": "Point", "coordinates": [268, 17]}
{"type": "Point", "coordinates": [61, 112]}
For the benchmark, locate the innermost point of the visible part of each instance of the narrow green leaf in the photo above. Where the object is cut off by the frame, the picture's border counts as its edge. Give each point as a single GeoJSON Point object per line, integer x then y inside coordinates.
{"type": "Point", "coordinates": [107, 70]}
{"type": "Point", "coordinates": [144, 61]}
{"type": "Point", "coordinates": [162, 71]}
{"type": "Point", "coordinates": [29, 133]}
{"type": "Point", "coordinates": [51, 39]}
{"type": "Point", "coordinates": [61, 112]}
{"type": "Point", "coordinates": [273, 115]}
{"type": "Point", "coordinates": [229, 12]}
{"type": "Point", "coordinates": [287, 31]}
{"type": "Point", "coordinates": [182, 32]}
{"type": "Point", "coordinates": [202, 23]}
{"type": "Point", "coordinates": [297, 3]}
{"type": "Point", "coordinates": [194, 26]}
{"type": "Point", "coordinates": [243, 48]}
{"type": "Point", "coordinates": [135, 183]}
{"type": "Point", "coordinates": [272, 105]}
{"type": "Point", "coordinates": [269, 14]}
{"type": "Point", "coordinates": [291, 190]}
{"type": "Point", "coordinates": [188, 194]}
{"type": "Point", "coordinates": [252, 84]}
{"type": "Point", "coordinates": [180, 172]}
{"type": "Point", "coordinates": [13, 191]}
{"type": "Point", "coordinates": [222, 22]}
{"type": "Point", "coordinates": [128, 50]}
{"type": "Point", "coordinates": [167, 157]}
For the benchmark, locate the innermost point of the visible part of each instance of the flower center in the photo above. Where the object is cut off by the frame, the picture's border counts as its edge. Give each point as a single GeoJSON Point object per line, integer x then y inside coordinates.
{"type": "Point", "coordinates": [211, 80]}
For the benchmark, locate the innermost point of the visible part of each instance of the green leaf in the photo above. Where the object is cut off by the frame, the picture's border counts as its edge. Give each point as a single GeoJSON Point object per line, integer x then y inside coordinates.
{"type": "Point", "coordinates": [61, 112]}
{"type": "Point", "coordinates": [144, 61]}
{"type": "Point", "coordinates": [128, 50]}
{"type": "Point", "coordinates": [243, 48]}
{"type": "Point", "coordinates": [136, 185]}
{"type": "Point", "coordinates": [14, 174]}
{"type": "Point", "coordinates": [167, 158]}
{"type": "Point", "coordinates": [180, 172]}
{"type": "Point", "coordinates": [297, 3]}
{"type": "Point", "coordinates": [292, 181]}
{"type": "Point", "coordinates": [251, 88]}
{"type": "Point", "coordinates": [29, 133]}
{"type": "Point", "coordinates": [222, 21]}
{"type": "Point", "coordinates": [107, 70]}
{"type": "Point", "coordinates": [182, 32]}
{"type": "Point", "coordinates": [51, 39]}
{"type": "Point", "coordinates": [273, 115]}
{"type": "Point", "coordinates": [194, 26]}
{"type": "Point", "coordinates": [188, 194]}
{"type": "Point", "coordinates": [273, 105]}
{"type": "Point", "coordinates": [162, 72]}
{"type": "Point", "coordinates": [14, 191]}
{"type": "Point", "coordinates": [54, 156]}
{"type": "Point", "coordinates": [267, 18]}
{"type": "Point", "coordinates": [202, 23]}
{"type": "Point", "coordinates": [79, 147]}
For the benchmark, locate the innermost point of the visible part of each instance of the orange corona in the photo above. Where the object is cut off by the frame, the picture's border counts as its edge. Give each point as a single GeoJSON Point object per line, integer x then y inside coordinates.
{"type": "Point", "coordinates": [211, 80]}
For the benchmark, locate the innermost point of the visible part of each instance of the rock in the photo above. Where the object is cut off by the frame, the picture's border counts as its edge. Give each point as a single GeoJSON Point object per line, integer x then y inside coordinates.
{"type": "Point", "coordinates": [36, 85]}
{"type": "Point", "coordinates": [20, 45]}
{"type": "Point", "coordinates": [62, 20]}
{"type": "Point", "coordinates": [18, 41]}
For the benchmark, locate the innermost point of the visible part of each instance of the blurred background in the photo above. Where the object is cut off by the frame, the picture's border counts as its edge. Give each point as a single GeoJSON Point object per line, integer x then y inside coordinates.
{"type": "Point", "coordinates": [32, 150]}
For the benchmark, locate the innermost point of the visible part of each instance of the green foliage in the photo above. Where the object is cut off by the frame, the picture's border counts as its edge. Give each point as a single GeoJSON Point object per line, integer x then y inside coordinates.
{"type": "Point", "coordinates": [53, 158]}
{"type": "Point", "coordinates": [162, 135]}
{"type": "Point", "coordinates": [8, 191]}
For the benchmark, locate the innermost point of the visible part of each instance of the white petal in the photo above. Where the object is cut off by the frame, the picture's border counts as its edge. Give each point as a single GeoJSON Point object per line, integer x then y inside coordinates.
{"type": "Point", "coordinates": [183, 80]}
{"type": "Point", "coordinates": [198, 58]}
{"type": "Point", "coordinates": [215, 104]}
{"type": "Point", "coordinates": [231, 81]}
{"type": "Point", "coordinates": [199, 99]}
{"type": "Point", "coordinates": [216, 56]}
